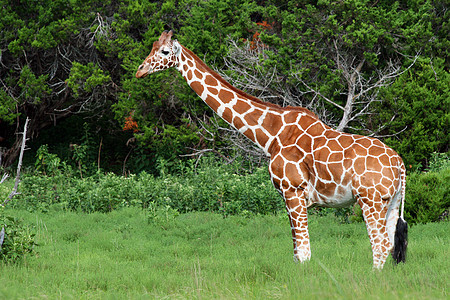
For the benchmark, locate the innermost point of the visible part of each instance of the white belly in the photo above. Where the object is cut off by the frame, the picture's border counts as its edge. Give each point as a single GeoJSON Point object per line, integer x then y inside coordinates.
{"type": "Point", "coordinates": [343, 197]}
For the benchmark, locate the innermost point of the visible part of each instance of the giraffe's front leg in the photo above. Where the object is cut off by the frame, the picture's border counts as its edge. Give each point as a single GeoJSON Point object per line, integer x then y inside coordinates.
{"type": "Point", "coordinates": [298, 218]}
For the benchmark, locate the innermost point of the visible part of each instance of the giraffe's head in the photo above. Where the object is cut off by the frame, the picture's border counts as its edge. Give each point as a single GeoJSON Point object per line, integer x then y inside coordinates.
{"type": "Point", "coordinates": [164, 55]}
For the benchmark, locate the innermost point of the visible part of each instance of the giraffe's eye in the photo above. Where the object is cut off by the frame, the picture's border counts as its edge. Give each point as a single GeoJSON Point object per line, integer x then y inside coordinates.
{"type": "Point", "coordinates": [165, 52]}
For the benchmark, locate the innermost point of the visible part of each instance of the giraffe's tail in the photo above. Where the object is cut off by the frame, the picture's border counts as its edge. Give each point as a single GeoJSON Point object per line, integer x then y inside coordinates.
{"type": "Point", "coordinates": [400, 241]}
{"type": "Point", "coordinates": [401, 230]}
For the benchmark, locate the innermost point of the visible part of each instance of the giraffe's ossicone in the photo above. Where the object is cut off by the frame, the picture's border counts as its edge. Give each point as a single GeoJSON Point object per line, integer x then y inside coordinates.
{"type": "Point", "coordinates": [311, 164]}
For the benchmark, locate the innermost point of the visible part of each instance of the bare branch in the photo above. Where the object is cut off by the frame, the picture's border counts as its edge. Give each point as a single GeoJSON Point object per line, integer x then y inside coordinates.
{"type": "Point", "coordinates": [321, 95]}
{"type": "Point", "coordinates": [4, 177]}
{"type": "Point", "coordinates": [245, 68]}
{"type": "Point", "coordinates": [19, 165]}
{"type": "Point", "coordinates": [359, 87]}
{"type": "Point", "coordinates": [388, 135]}
{"type": "Point", "coordinates": [103, 29]}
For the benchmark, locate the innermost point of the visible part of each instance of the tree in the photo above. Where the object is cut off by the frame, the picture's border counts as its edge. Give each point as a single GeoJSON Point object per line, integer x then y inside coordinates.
{"type": "Point", "coordinates": [420, 98]}
{"type": "Point", "coordinates": [337, 59]}
{"type": "Point", "coordinates": [67, 63]}
{"type": "Point", "coordinates": [50, 67]}
{"type": "Point", "coordinates": [245, 63]}
{"type": "Point", "coordinates": [171, 120]}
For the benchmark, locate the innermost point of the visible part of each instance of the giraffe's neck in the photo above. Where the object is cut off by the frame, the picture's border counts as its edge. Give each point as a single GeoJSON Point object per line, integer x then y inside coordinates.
{"type": "Point", "coordinates": [258, 121]}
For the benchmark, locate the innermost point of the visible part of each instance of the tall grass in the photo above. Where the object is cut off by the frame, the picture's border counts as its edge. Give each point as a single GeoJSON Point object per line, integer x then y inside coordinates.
{"type": "Point", "coordinates": [131, 254]}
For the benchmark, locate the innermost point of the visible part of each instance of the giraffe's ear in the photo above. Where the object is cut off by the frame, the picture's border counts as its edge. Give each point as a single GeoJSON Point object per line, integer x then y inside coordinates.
{"type": "Point", "coordinates": [176, 47]}
{"type": "Point", "coordinates": [169, 36]}
{"type": "Point", "coordinates": [165, 37]}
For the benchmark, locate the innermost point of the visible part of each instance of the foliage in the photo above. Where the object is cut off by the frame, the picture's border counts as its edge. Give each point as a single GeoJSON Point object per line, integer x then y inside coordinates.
{"type": "Point", "coordinates": [420, 101]}
{"type": "Point", "coordinates": [439, 161]}
{"type": "Point", "coordinates": [19, 239]}
{"type": "Point", "coordinates": [161, 215]}
{"type": "Point", "coordinates": [49, 65]}
{"type": "Point", "coordinates": [324, 44]}
{"type": "Point", "coordinates": [48, 162]}
{"type": "Point", "coordinates": [84, 154]}
{"type": "Point", "coordinates": [208, 187]}
{"type": "Point", "coordinates": [85, 78]}
{"type": "Point", "coordinates": [428, 196]}
{"type": "Point", "coordinates": [61, 58]}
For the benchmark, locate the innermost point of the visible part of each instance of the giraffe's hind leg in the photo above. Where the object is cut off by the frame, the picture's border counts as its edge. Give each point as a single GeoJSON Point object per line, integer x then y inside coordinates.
{"type": "Point", "coordinates": [374, 210]}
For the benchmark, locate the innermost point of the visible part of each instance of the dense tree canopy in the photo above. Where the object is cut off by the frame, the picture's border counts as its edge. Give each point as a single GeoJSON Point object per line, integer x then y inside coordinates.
{"type": "Point", "coordinates": [373, 67]}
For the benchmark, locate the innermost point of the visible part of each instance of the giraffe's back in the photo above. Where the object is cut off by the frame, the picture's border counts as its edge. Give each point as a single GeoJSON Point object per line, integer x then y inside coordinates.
{"type": "Point", "coordinates": [338, 166]}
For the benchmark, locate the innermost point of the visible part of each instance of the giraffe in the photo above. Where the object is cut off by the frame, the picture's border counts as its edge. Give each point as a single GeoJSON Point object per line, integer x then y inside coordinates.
{"type": "Point", "coordinates": [310, 164]}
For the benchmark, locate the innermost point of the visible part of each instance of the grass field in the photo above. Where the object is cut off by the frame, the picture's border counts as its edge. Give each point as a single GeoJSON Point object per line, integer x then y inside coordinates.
{"type": "Point", "coordinates": [121, 255]}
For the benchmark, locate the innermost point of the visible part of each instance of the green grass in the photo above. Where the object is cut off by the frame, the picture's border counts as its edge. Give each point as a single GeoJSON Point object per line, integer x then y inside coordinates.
{"type": "Point", "coordinates": [121, 255]}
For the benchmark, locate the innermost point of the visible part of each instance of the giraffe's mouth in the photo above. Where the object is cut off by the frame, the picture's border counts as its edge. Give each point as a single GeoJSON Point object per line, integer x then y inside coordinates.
{"type": "Point", "coordinates": [144, 70]}
{"type": "Point", "coordinates": [142, 73]}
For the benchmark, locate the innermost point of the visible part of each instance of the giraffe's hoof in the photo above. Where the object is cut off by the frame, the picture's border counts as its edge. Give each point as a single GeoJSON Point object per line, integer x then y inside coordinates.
{"type": "Point", "coordinates": [301, 259]}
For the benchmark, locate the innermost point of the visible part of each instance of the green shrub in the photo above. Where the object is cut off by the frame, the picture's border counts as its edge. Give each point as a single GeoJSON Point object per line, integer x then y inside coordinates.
{"type": "Point", "coordinates": [211, 187]}
{"type": "Point", "coordinates": [17, 239]}
{"type": "Point", "coordinates": [427, 196]}
{"type": "Point", "coordinates": [47, 162]}
{"type": "Point", "coordinates": [161, 215]}
{"type": "Point", "coordinates": [40, 192]}
{"type": "Point", "coordinates": [438, 161]}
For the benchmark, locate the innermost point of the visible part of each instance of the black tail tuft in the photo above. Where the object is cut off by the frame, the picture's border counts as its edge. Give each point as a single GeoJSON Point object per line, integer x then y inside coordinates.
{"type": "Point", "coordinates": [400, 241]}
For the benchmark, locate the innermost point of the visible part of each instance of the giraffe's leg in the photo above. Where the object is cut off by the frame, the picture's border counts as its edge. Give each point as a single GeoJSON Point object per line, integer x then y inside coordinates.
{"type": "Point", "coordinates": [298, 218]}
{"type": "Point", "coordinates": [374, 211]}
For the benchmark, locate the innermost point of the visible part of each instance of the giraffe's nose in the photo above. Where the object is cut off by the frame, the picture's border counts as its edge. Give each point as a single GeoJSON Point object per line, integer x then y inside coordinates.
{"type": "Point", "coordinates": [141, 72]}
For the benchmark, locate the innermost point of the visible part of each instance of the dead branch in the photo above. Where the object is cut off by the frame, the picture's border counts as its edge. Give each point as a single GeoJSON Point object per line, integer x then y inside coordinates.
{"type": "Point", "coordinates": [4, 177]}
{"type": "Point", "coordinates": [245, 69]}
{"type": "Point", "coordinates": [19, 165]}
{"type": "Point", "coordinates": [362, 90]}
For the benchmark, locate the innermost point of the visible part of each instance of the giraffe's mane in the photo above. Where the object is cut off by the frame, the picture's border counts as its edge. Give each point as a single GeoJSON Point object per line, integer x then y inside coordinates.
{"type": "Point", "coordinates": [244, 94]}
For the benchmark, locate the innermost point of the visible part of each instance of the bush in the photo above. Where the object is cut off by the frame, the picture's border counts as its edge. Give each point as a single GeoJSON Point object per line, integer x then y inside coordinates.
{"type": "Point", "coordinates": [212, 187]}
{"type": "Point", "coordinates": [438, 161]}
{"type": "Point", "coordinates": [427, 196]}
{"type": "Point", "coordinates": [16, 239]}
{"type": "Point", "coordinates": [102, 193]}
